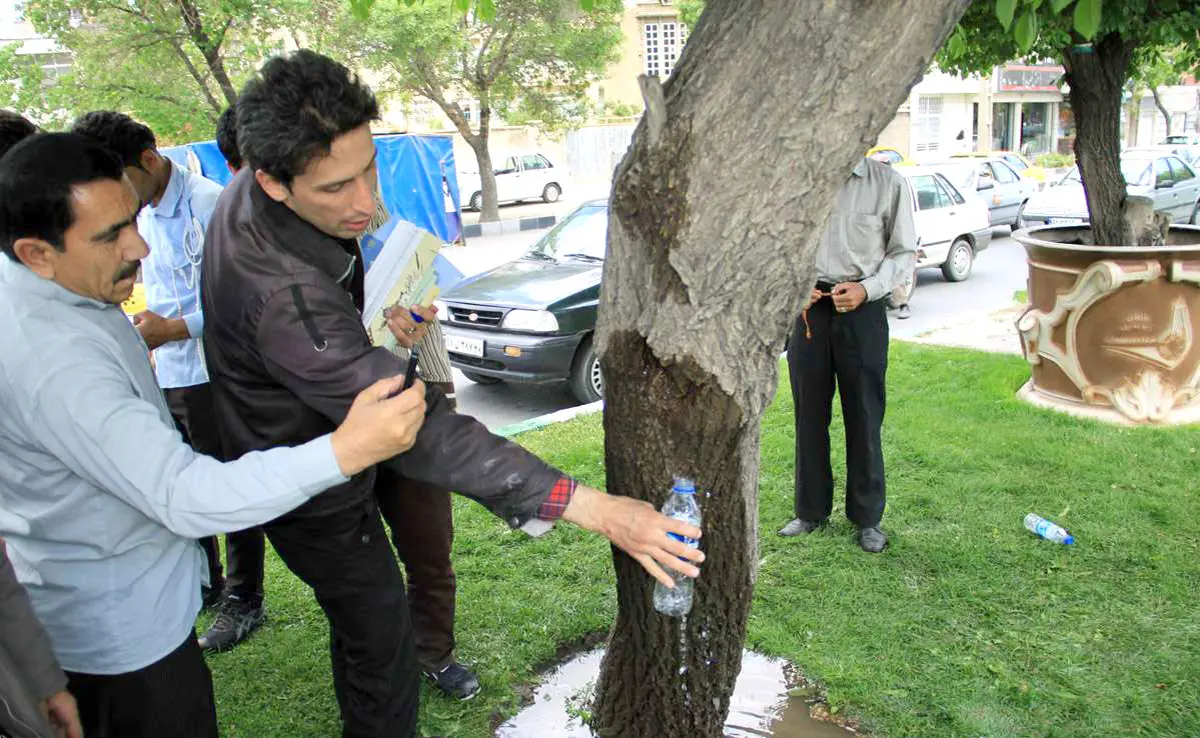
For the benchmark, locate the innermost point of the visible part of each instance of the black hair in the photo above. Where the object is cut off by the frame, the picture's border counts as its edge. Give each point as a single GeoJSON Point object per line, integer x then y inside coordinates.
{"type": "Point", "coordinates": [227, 140]}
{"type": "Point", "coordinates": [14, 128]}
{"type": "Point", "coordinates": [123, 135]}
{"type": "Point", "coordinates": [36, 179]}
{"type": "Point", "coordinates": [295, 106]}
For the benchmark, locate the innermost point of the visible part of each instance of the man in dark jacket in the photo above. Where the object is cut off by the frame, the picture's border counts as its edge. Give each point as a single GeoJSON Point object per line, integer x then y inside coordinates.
{"type": "Point", "coordinates": [286, 350]}
{"type": "Point", "coordinates": [34, 701]}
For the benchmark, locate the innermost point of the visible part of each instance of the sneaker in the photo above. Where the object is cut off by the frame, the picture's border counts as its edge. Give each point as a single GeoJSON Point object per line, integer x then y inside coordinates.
{"type": "Point", "coordinates": [905, 313]}
{"type": "Point", "coordinates": [800, 527]}
{"type": "Point", "coordinates": [872, 540]}
{"type": "Point", "coordinates": [210, 597]}
{"type": "Point", "coordinates": [236, 619]}
{"type": "Point", "coordinates": [455, 680]}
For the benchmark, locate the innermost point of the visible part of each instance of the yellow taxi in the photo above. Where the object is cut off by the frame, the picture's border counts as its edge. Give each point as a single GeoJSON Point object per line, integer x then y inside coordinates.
{"type": "Point", "coordinates": [137, 300]}
{"type": "Point", "coordinates": [1025, 168]}
{"type": "Point", "coordinates": [887, 155]}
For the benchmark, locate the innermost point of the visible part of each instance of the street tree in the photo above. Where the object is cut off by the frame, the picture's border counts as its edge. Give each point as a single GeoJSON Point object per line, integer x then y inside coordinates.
{"type": "Point", "coordinates": [174, 64]}
{"type": "Point", "coordinates": [527, 60]}
{"type": "Point", "coordinates": [1101, 44]}
{"type": "Point", "coordinates": [1155, 67]}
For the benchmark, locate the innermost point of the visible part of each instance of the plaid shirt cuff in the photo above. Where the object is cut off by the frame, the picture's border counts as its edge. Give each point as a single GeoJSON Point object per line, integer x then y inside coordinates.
{"type": "Point", "coordinates": [556, 504]}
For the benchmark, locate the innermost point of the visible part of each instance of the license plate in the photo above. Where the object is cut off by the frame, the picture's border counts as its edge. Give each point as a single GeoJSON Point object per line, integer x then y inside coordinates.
{"type": "Point", "coordinates": [1065, 221]}
{"type": "Point", "coordinates": [467, 346]}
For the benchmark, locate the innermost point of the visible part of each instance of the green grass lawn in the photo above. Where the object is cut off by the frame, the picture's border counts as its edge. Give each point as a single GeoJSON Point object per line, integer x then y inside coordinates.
{"type": "Point", "coordinates": [966, 626]}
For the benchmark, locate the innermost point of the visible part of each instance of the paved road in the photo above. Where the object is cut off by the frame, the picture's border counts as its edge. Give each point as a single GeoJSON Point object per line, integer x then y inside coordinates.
{"type": "Point", "coordinates": [998, 273]}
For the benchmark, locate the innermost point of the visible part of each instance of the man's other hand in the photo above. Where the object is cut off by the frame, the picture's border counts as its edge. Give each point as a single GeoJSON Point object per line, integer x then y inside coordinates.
{"type": "Point", "coordinates": [848, 296]}
{"type": "Point", "coordinates": [157, 330]}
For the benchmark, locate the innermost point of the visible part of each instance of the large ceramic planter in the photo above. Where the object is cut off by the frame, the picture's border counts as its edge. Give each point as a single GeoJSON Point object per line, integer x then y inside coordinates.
{"type": "Point", "coordinates": [1112, 332]}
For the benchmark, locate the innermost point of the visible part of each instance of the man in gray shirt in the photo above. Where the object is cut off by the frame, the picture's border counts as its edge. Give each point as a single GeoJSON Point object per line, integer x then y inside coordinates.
{"type": "Point", "coordinates": [868, 247]}
{"type": "Point", "coordinates": [100, 499]}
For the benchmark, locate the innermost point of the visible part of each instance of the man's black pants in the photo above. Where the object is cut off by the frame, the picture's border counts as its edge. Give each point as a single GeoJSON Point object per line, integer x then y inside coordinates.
{"type": "Point", "coordinates": [171, 697]}
{"type": "Point", "coordinates": [847, 351]}
{"type": "Point", "coordinates": [345, 557]}
{"type": "Point", "coordinates": [193, 410]}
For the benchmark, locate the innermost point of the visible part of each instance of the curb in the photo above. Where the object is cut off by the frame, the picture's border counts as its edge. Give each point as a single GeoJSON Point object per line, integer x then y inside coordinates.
{"type": "Point", "coordinates": [560, 416]}
{"type": "Point", "coordinates": [511, 225]}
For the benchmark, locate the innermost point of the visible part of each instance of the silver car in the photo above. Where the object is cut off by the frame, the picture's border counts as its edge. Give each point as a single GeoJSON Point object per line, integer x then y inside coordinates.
{"type": "Point", "coordinates": [994, 181]}
{"type": "Point", "coordinates": [1148, 172]}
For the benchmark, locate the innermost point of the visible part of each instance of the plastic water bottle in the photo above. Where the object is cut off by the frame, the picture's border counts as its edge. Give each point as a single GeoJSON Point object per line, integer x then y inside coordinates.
{"type": "Point", "coordinates": [1044, 528]}
{"type": "Point", "coordinates": [681, 504]}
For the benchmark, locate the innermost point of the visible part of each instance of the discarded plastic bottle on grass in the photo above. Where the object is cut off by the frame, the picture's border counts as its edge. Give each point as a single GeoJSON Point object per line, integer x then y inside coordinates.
{"type": "Point", "coordinates": [681, 505]}
{"type": "Point", "coordinates": [1044, 528]}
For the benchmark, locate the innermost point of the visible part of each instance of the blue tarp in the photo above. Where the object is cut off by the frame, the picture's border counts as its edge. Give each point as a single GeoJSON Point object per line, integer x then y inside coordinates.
{"type": "Point", "coordinates": [411, 168]}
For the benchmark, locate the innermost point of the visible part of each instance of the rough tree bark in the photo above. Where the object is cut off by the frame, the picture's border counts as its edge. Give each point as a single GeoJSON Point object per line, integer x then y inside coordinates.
{"type": "Point", "coordinates": [715, 216]}
{"type": "Point", "coordinates": [210, 47]}
{"type": "Point", "coordinates": [1096, 73]}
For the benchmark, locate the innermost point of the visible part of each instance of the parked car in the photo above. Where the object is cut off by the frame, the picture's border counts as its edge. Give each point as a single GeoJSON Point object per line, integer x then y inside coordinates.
{"type": "Point", "coordinates": [1022, 166]}
{"type": "Point", "coordinates": [532, 319]}
{"type": "Point", "coordinates": [994, 181]}
{"type": "Point", "coordinates": [1150, 172]}
{"type": "Point", "coordinates": [1186, 146]}
{"type": "Point", "coordinates": [529, 176]}
{"type": "Point", "coordinates": [951, 229]}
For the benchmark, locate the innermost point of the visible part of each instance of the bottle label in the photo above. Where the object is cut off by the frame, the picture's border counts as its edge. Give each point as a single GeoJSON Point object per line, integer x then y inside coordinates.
{"type": "Point", "coordinates": [685, 540]}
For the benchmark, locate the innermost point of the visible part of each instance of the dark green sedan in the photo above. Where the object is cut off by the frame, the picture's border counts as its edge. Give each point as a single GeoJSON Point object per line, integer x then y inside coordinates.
{"type": "Point", "coordinates": [532, 320]}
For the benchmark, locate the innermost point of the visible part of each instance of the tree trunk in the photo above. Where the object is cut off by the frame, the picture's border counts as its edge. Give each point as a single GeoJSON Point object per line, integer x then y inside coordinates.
{"type": "Point", "coordinates": [490, 212]}
{"type": "Point", "coordinates": [209, 47]}
{"type": "Point", "coordinates": [715, 216]}
{"type": "Point", "coordinates": [1096, 75]}
{"type": "Point", "coordinates": [1162, 109]}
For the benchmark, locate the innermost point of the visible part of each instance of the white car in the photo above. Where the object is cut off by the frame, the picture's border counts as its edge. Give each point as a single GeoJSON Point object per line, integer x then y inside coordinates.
{"type": "Point", "coordinates": [1186, 146]}
{"type": "Point", "coordinates": [951, 228]}
{"type": "Point", "coordinates": [1153, 173]}
{"type": "Point", "coordinates": [995, 182]}
{"type": "Point", "coordinates": [529, 176]}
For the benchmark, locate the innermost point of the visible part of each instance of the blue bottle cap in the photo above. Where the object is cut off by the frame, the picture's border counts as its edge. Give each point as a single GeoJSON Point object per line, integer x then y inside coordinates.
{"type": "Point", "coordinates": [1069, 540]}
{"type": "Point", "coordinates": [416, 318]}
{"type": "Point", "coordinates": [684, 486]}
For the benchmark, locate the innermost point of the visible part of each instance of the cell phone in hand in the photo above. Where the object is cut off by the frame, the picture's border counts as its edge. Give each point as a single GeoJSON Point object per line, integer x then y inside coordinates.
{"type": "Point", "coordinates": [410, 374]}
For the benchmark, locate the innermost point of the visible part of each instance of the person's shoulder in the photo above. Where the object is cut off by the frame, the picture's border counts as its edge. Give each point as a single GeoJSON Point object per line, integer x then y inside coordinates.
{"type": "Point", "coordinates": [203, 192]}
{"type": "Point", "coordinates": [880, 170]}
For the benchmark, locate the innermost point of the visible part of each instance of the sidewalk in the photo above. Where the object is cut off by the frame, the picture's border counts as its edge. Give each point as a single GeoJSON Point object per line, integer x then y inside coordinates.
{"type": "Point", "coordinates": [994, 331]}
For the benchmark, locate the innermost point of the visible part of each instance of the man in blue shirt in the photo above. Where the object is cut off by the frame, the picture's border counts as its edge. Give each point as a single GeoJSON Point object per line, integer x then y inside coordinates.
{"type": "Point", "coordinates": [177, 207]}
{"type": "Point", "coordinates": [100, 501]}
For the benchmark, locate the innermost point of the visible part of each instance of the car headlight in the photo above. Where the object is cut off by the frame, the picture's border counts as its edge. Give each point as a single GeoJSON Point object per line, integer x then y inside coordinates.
{"type": "Point", "coordinates": [443, 310]}
{"type": "Point", "coordinates": [537, 321]}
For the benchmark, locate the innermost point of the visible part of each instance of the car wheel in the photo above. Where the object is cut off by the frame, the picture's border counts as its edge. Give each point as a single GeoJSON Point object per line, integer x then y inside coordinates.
{"type": "Point", "coordinates": [587, 384]}
{"type": "Point", "coordinates": [958, 261]}
{"type": "Point", "coordinates": [1020, 219]}
{"type": "Point", "coordinates": [481, 378]}
{"type": "Point", "coordinates": [476, 201]}
{"type": "Point", "coordinates": [1196, 214]}
{"type": "Point", "coordinates": [551, 192]}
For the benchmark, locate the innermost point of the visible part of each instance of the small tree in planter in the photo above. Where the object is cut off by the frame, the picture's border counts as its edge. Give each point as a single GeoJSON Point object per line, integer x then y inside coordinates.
{"type": "Point", "coordinates": [1111, 331]}
{"type": "Point", "coordinates": [1101, 43]}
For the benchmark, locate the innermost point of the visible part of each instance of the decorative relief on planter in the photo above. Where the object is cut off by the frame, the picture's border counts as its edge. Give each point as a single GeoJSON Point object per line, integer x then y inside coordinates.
{"type": "Point", "coordinates": [1123, 337]}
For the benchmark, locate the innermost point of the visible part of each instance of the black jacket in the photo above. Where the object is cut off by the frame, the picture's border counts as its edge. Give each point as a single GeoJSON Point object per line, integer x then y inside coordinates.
{"type": "Point", "coordinates": [29, 672]}
{"type": "Point", "coordinates": [287, 353]}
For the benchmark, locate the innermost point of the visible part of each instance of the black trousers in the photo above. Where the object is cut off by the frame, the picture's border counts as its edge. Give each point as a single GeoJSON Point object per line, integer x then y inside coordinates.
{"type": "Point", "coordinates": [192, 409]}
{"type": "Point", "coordinates": [171, 697]}
{"type": "Point", "coordinates": [847, 351]}
{"type": "Point", "coordinates": [345, 557]}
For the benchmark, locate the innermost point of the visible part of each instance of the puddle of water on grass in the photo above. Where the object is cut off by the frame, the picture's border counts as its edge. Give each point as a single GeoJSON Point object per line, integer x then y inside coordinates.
{"type": "Point", "coordinates": [760, 706]}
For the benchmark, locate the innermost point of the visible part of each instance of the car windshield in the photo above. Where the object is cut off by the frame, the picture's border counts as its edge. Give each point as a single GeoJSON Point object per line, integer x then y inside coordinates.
{"type": "Point", "coordinates": [1015, 162]}
{"type": "Point", "coordinates": [961, 175]}
{"type": "Point", "coordinates": [583, 235]}
{"type": "Point", "coordinates": [1133, 170]}
{"type": "Point", "coordinates": [1177, 140]}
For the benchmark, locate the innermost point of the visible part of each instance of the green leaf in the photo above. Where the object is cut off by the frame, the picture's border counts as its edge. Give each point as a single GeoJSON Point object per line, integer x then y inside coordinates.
{"type": "Point", "coordinates": [588, 5]}
{"type": "Point", "coordinates": [1087, 17]}
{"type": "Point", "coordinates": [1059, 6]}
{"type": "Point", "coordinates": [1027, 30]}
{"type": "Point", "coordinates": [487, 10]}
{"type": "Point", "coordinates": [361, 8]}
{"type": "Point", "coordinates": [1004, 12]}
{"type": "Point", "coordinates": [956, 46]}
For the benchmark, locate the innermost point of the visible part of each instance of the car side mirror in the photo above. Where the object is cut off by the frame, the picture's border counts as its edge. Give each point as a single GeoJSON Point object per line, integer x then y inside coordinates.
{"type": "Point", "coordinates": [985, 184]}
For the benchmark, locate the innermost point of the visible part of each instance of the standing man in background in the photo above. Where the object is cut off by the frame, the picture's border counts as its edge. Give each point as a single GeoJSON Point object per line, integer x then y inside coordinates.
{"type": "Point", "coordinates": [868, 247]}
{"type": "Point", "coordinates": [177, 207]}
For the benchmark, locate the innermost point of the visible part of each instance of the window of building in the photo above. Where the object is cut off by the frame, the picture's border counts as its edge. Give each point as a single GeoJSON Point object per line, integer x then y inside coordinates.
{"type": "Point", "coordinates": [928, 123]}
{"type": "Point", "coordinates": [662, 42]}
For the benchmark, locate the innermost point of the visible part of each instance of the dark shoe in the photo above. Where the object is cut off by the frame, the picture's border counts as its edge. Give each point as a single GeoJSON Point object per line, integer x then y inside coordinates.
{"type": "Point", "coordinates": [905, 313]}
{"type": "Point", "coordinates": [800, 527]}
{"type": "Point", "coordinates": [236, 620]}
{"type": "Point", "coordinates": [209, 597]}
{"type": "Point", "coordinates": [872, 540]}
{"type": "Point", "coordinates": [455, 680]}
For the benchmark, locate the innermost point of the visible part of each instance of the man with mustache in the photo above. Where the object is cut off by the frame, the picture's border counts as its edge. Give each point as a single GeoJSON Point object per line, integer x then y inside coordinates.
{"type": "Point", "coordinates": [100, 500]}
{"type": "Point", "coordinates": [177, 207]}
